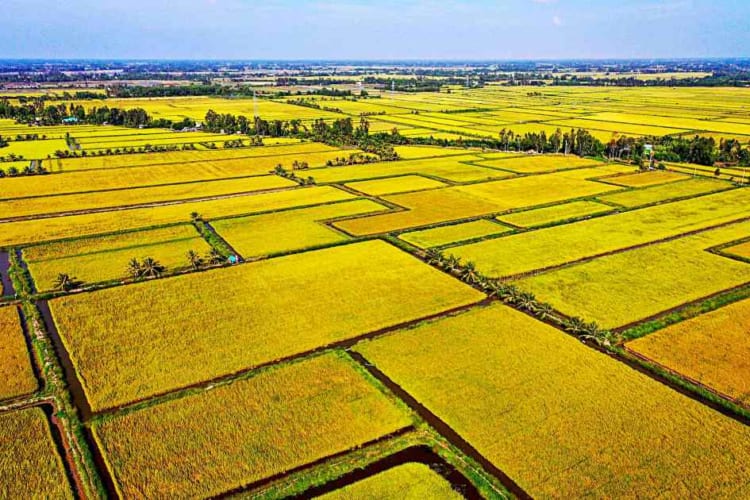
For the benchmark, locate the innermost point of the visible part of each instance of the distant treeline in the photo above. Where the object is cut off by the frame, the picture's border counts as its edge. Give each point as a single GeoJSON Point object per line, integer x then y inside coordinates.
{"type": "Point", "coordinates": [738, 79]}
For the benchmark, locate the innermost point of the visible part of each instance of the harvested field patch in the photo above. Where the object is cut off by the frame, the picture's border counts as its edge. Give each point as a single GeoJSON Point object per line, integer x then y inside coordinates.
{"type": "Point", "coordinates": [156, 341]}
{"type": "Point", "coordinates": [245, 431]}
{"type": "Point", "coordinates": [588, 424]}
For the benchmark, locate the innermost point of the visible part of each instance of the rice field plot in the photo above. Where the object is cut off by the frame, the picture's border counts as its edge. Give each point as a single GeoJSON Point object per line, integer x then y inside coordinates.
{"type": "Point", "coordinates": [444, 235]}
{"type": "Point", "coordinates": [415, 152]}
{"type": "Point", "coordinates": [156, 343]}
{"type": "Point", "coordinates": [22, 207]}
{"type": "Point", "coordinates": [534, 250]}
{"type": "Point", "coordinates": [677, 123]}
{"type": "Point", "coordinates": [105, 258]}
{"type": "Point", "coordinates": [34, 150]}
{"type": "Point", "coordinates": [289, 230]}
{"type": "Point", "coordinates": [555, 213]}
{"type": "Point", "coordinates": [540, 163]}
{"type": "Point", "coordinates": [712, 349]}
{"type": "Point", "coordinates": [85, 181]}
{"type": "Point", "coordinates": [16, 374]}
{"type": "Point", "coordinates": [620, 128]}
{"type": "Point", "coordinates": [176, 138]}
{"type": "Point", "coordinates": [237, 434]}
{"type": "Point", "coordinates": [393, 185]}
{"type": "Point", "coordinates": [410, 481]}
{"type": "Point", "coordinates": [177, 108]}
{"type": "Point", "coordinates": [620, 289]}
{"type": "Point", "coordinates": [474, 200]}
{"type": "Point", "coordinates": [643, 179]}
{"type": "Point", "coordinates": [453, 168]}
{"type": "Point", "coordinates": [589, 425]}
{"type": "Point", "coordinates": [29, 464]}
{"type": "Point", "coordinates": [79, 225]}
{"type": "Point", "coordinates": [183, 157]}
{"type": "Point", "coordinates": [665, 192]}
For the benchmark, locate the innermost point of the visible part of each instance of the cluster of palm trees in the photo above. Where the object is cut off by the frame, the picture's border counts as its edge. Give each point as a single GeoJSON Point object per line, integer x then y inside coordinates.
{"type": "Point", "coordinates": [282, 172]}
{"type": "Point", "coordinates": [512, 295]}
{"type": "Point", "coordinates": [65, 282]}
{"type": "Point", "coordinates": [213, 257]}
{"type": "Point", "coordinates": [147, 268]}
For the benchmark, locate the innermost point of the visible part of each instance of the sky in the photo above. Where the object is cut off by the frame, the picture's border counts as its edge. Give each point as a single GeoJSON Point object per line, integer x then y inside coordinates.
{"type": "Point", "coordinates": [376, 29]}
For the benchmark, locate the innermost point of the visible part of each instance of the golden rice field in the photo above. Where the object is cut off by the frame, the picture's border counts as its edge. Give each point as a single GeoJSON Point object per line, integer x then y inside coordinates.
{"type": "Point", "coordinates": [16, 374]}
{"type": "Point", "coordinates": [453, 233]}
{"type": "Point", "coordinates": [106, 258]}
{"type": "Point", "coordinates": [713, 349]}
{"type": "Point", "coordinates": [154, 348]}
{"type": "Point", "coordinates": [522, 253]}
{"type": "Point", "coordinates": [294, 368]}
{"type": "Point", "coordinates": [642, 179]}
{"type": "Point", "coordinates": [555, 213]}
{"type": "Point", "coordinates": [218, 440]}
{"type": "Point", "coordinates": [654, 278]}
{"type": "Point", "coordinates": [289, 230]}
{"type": "Point", "coordinates": [410, 481]}
{"type": "Point", "coordinates": [665, 192]}
{"type": "Point", "coordinates": [394, 185]}
{"type": "Point", "coordinates": [559, 418]}
{"type": "Point", "coordinates": [29, 464]}
{"type": "Point", "coordinates": [76, 226]}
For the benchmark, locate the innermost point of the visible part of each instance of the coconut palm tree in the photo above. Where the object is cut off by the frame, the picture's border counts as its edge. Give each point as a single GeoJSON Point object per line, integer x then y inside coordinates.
{"type": "Point", "coordinates": [526, 300]}
{"type": "Point", "coordinates": [575, 325]}
{"type": "Point", "coordinates": [151, 268]}
{"type": "Point", "coordinates": [452, 263]}
{"type": "Point", "coordinates": [544, 310]}
{"type": "Point", "coordinates": [512, 295]}
{"type": "Point", "coordinates": [215, 257]}
{"type": "Point", "coordinates": [434, 257]}
{"type": "Point", "coordinates": [65, 282]}
{"type": "Point", "coordinates": [469, 273]}
{"type": "Point", "coordinates": [134, 268]}
{"type": "Point", "coordinates": [195, 260]}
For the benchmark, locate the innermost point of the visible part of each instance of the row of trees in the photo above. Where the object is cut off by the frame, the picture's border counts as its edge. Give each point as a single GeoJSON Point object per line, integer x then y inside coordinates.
{"type": "Point", "coordinates": [512, 295]}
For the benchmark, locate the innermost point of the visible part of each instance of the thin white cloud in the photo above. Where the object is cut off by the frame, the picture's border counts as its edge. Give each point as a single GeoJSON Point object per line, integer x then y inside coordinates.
{"type": "Point", "coordinates": [557, 21]}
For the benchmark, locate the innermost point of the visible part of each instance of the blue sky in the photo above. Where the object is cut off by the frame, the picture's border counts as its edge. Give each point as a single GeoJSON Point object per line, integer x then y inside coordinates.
{"type": "Point", "coordinates": [380, 29]}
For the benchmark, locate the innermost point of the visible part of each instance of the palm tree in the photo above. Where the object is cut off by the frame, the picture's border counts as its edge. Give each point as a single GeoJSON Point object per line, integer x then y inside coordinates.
{"type": "Point", "coordinates": [215, 257]}
{"type": "Point", "coordinates": [134, 268]}
{"type": "Point", "coordinates": [526, 300]}
{"type": "Point", "coordinates": [469, 273]}
{"type": "Point", "coordinates": [544, 310]}
{"type": "Point", "coordinates": [512, 295]}
{"type": "Point", "coordinates": [453, 263]}
{"type": "Point", "coordinates": [195, 260]}
{"type": "Point", "coordinates": [575, 325]}
{"type": "Point", "coordinates": [151, 268]}
{"type": "Point", "coordinates": [434, 257]}
{"type": "Point", "coordinates": [65, 282]}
